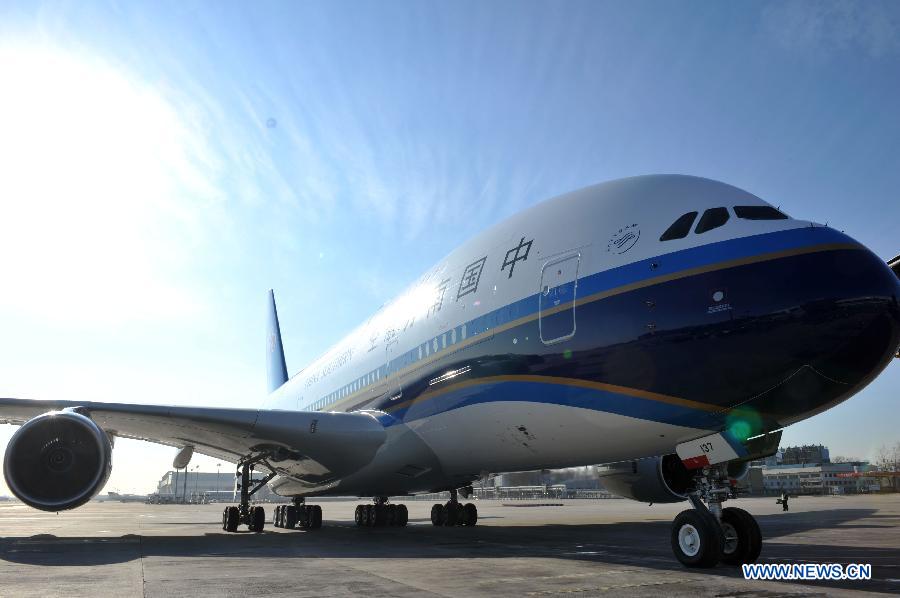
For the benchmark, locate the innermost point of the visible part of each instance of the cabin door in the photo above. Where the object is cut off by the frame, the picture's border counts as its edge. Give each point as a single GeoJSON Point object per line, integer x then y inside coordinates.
{"type": "Point", "coordinates": [394, 365]}
{"type": "Point", "coordinates": [559, 282]}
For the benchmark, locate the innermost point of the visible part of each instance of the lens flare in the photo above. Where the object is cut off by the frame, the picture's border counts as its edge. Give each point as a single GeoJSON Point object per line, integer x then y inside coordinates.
{"type": "Point", "coordinates": [743, 423]}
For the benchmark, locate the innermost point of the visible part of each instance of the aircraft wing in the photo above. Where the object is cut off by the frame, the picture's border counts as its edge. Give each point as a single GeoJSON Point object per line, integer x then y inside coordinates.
{"type": "Point", "coordinates": [309, 446]}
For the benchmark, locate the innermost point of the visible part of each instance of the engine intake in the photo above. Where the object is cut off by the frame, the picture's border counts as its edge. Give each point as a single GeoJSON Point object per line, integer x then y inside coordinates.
{"type": "Point", "coordinates": [654, 480]}
{"type": "Point", "coordinates": [57, 461]}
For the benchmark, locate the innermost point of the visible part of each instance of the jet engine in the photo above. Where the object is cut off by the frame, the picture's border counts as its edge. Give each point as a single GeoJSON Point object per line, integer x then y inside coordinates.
{"type": "Point", "coordinates": [58, 461]}
{"type": "Point", "coordinates": [652, 480]}
{"type": "Point", "coordinates": [738, 470]}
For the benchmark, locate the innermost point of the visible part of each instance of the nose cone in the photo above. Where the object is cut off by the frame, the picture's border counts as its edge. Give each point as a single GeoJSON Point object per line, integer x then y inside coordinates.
{"type": "Point", "coordinates": [851, 323]}
{"type": "Point", "coordinates": [871, 326]}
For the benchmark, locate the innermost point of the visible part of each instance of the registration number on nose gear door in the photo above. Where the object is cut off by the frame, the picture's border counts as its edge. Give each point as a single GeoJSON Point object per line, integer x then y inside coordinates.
{"type": "Point", "coordinates": [710, 450]}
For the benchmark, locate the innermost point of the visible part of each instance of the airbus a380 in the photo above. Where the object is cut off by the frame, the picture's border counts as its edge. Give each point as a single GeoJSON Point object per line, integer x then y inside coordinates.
{"type": "Point", "coordinates": [667, 325]}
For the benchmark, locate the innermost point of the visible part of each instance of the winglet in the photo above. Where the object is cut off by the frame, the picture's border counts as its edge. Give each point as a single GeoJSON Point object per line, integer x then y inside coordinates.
{"type": "Point", "coordinates": [275, 366]}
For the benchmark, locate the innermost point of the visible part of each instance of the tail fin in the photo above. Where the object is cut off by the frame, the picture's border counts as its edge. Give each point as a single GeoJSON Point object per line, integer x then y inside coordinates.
{"type": "Point", "coordinates": [275, 366]}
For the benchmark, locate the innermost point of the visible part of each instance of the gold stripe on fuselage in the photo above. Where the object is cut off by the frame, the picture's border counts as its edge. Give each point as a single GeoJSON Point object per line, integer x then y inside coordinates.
{"type": "Point", "coordinates": [555, 380]}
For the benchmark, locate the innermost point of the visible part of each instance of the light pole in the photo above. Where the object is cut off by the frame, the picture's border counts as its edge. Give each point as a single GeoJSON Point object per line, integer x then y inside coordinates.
{"type": "Point", "coordinates": [218, 471]}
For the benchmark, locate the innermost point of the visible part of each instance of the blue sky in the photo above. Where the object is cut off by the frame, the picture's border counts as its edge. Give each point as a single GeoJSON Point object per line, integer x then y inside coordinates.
{"type": "Point", "coordinates": [163, 164]}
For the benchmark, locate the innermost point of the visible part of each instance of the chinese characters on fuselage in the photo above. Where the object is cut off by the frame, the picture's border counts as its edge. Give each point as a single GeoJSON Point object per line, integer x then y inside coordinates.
{"type": "Point", "coordinates": [517, 257]}
{"type": "Point", "coordinates": [439, 297]}
{"type": "Point", "coordinates": [468, 285]}
{"type": "Point", "coordinates": [470, 278]}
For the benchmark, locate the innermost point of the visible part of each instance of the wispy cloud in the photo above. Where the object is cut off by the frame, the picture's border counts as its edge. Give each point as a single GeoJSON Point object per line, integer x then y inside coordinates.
{"type": "Point", "coordinates": [872, 27]}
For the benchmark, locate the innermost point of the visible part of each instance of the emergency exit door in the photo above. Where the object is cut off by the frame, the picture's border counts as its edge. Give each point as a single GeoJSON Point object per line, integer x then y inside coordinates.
{"type": "Point", "coordinates": [559, 282]}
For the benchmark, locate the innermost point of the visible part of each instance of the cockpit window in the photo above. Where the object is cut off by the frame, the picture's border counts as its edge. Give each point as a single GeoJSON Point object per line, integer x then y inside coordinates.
{"type": "Point", "coordinates": [712, 218]}
{"type": "Point", "coordinates": [680, 228]}
{"type": "Point", "coordinates": [759, 213]}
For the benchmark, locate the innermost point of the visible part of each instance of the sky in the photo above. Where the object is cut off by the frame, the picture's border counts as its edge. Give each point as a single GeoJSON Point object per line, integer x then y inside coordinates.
{"type": "Point", "coordinates": [163, 164]}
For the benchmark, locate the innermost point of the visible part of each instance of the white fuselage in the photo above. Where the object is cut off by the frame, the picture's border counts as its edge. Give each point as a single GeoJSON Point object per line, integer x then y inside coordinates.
{"type": "Point", "coordinates": [405, 365]}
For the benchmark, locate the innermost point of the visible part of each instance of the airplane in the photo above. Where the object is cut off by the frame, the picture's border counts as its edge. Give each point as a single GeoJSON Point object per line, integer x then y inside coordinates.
{"type": "Point", "coordinates": [669, 326]}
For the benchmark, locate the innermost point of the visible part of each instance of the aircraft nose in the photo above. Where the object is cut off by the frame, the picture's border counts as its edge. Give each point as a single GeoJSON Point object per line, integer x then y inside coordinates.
{"type": "Point", "coordinates": [851, 317]}
{"type": "Point", "coordinates": [869, 305]}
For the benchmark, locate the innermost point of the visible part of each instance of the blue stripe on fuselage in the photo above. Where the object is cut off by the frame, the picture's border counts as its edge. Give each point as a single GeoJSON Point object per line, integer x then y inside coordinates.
{"type": "Point", "coordinates": [710, 254]}
{"type": "Point", "coordinates": [609, 280]}
{"type": "Point", "coordinates": [672, 263]}
{"type": "Point", "coordinates": [555, 394]}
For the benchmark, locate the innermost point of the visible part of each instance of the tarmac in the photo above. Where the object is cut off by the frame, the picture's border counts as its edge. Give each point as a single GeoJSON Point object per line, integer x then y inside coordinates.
{"type": "Point", "coordinates": [582, 548]}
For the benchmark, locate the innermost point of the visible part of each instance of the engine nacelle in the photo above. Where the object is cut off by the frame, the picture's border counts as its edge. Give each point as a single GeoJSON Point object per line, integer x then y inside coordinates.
{"type": "Point", "coordinates": [738, 470]}
{"type": "Point", "coordinates": [57, 461]}
{"type": "Point", "coordinates": [652, 480]}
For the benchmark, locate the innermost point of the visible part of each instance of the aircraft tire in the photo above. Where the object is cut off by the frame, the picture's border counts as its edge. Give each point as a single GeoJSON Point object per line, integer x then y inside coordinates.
{"type": "Point", "coordinates": [471, 512]}
{"type": "Point", "coordinates": [743, 537]}
{"type": "Point", "coordinates": [380, 515]}
{"type": "Point", "coordinates": [232, 519]}
{"type": "Point", "coordinates": [391, 515]}
{"type": "Point", "coordinates": [315, 519]}
{"type": "Point", "coordinates": [451, 514]}
{"type": "Point", "coordinates": [257, 519]}
{"type": "Point", "coordinates": [289, 517]}
{"type": "Point", "coordinates": [402, 515]}
{"type": "Point", "coordinates": [437, 515]}
{"type": "Point", "coordinates": [358, 516]}
{"type": "Point", "coordinates": [697, 540]}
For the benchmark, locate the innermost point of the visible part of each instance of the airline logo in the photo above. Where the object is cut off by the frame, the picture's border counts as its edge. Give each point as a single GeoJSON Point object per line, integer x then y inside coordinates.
{"type": "Point", "coordinates": [624, 239]}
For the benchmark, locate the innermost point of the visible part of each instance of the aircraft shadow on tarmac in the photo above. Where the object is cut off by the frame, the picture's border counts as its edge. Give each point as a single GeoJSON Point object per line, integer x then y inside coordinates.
{"type": "Point", "coordinates": [640, 544]}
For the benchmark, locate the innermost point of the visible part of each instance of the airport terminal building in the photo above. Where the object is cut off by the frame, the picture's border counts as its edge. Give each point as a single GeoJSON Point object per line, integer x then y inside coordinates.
{"type": "Point", "coordinates": [824, 478]}
{"type": "Point", "coordinates": [202, 487]}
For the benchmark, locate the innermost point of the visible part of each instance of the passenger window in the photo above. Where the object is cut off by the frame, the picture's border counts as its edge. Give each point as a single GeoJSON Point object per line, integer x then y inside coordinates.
{"type": "Point", "coordinates": [680, 228]}
{"type": "Point", "coordinates": [759, 213]}
{"type": "Point", "coordinates": [711, 218]}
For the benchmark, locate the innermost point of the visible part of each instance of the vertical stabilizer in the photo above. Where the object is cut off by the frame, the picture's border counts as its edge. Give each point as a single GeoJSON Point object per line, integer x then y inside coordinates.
{"type": "Point", "coordinates": [275, 366]}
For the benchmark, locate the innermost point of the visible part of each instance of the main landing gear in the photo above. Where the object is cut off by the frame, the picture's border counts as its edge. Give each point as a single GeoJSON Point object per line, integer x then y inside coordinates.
{"type": "Point", "coordinates": [454, 513]}
{"type": "Point", "coordinates": [298, 514]}
{"type": "Point", "coordinates": [253, 517]}
{"type": "Point", "coordinates": [703, 536]}
{"type": "Point", "coordinates": [381, 514]}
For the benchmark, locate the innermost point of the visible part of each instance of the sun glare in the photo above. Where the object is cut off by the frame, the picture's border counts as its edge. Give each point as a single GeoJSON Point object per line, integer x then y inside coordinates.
{"type": "Point", "coordinates": [96, 167]}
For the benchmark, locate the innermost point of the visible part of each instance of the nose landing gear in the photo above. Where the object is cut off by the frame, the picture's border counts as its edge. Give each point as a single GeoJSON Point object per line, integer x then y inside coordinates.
{"type": "Point", "coordinates": [743, 539]}
{"type": "Point", "coordinates": [704, 536]}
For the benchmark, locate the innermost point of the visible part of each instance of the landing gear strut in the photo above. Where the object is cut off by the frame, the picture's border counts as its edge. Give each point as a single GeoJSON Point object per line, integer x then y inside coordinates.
{"type": "Point", "coordinates": [703, 536]}
{"type": "Point", "coordinates": [381, 514]}
{"type": "Point", "coordinates": [454, 513]}
{"type": "Point", "coordinates": [253, 517]}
